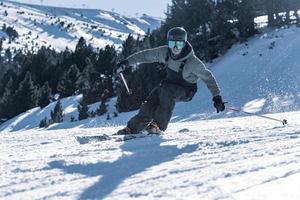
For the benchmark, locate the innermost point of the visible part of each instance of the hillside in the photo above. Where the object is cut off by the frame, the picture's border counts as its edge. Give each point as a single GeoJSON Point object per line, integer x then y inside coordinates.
{"type": "Point", "coordinates": [259, 76]}
{"type": "Point", "coordinates": [62, 27]}
{"type": "Point", "coordinates": [199, 156]}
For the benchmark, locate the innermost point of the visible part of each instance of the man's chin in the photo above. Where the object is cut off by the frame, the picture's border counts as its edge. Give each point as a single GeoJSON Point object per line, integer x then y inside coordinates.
{"type": "Point", "coordinates": [176, 52]}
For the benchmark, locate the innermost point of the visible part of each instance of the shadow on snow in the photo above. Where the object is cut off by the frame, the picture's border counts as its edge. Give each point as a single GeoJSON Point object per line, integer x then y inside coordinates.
{"type": "Point", "coordinates": [144, 155]}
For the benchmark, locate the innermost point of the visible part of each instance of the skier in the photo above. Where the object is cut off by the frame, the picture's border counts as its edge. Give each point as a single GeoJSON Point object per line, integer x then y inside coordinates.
{"type": "Point", "coordinates": [183, 71]}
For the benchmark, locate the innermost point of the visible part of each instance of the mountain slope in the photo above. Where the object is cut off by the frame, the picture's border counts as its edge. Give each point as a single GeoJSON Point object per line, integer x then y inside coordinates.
{"type": "Point", "coordinates": [229, 158]}
{"type": "Point", "coordinates": [62, 27]}
{"type": "Point", "coordinates": [260, 76]}
{"type": "Point", "coordinates": [236, 158]}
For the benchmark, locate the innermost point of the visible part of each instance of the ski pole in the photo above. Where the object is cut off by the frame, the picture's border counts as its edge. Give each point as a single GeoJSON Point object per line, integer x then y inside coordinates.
{"type": "Point", "coordinates": [125, 83]}
{"type": "Point", "coordinates": [284, 121]}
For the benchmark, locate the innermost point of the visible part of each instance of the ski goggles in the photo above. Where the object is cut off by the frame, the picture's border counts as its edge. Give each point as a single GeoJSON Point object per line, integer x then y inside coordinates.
{"type": "Point", "coordinates": [178, 44]}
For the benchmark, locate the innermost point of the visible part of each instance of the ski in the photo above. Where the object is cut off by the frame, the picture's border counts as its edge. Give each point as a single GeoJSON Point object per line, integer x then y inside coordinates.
{"type": "Point", "coordinates": [90, 138]}
{"type": "Point", "coordinates": [117, 138]}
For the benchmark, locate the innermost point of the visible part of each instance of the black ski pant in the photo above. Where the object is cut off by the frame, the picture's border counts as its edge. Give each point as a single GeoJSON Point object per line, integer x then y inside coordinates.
{"type": "Point", "coordinates": [159, 106]}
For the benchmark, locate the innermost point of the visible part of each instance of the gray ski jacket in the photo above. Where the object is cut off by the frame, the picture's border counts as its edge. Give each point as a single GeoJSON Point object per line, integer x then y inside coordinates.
{"type": "Point", "coordinates": [193, 70]}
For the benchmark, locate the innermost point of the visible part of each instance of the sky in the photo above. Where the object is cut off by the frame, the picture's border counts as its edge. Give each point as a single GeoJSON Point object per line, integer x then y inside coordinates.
{"type": "Point", "coordinates": [154, 8]}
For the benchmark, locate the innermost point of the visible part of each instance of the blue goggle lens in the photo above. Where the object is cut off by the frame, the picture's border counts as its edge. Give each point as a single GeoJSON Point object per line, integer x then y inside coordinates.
{"type": "Point", "coordinates": [177, 44]}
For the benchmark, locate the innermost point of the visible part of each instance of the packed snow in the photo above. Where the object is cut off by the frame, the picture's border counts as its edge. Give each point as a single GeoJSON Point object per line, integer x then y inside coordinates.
{"type": "Point", "coordinates": [202, 155]}
{"type": "Point", "coordinates": [235, 158]}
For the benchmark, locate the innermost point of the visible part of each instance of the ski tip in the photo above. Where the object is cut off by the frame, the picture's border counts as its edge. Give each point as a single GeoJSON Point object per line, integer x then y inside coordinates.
{"type": "Point", "coordinates": [81, 140]}
{"type": "Point", "coordinates": [184, 130]}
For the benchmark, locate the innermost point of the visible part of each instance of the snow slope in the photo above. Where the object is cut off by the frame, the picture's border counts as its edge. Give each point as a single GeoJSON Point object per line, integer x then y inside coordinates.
{"type": "Point", "coordinates": [235, 158]}
{"type": "Point", "coordinates": [259, 76]}
{"type": "Point", "coordinates": [252, 76]}
{"type": "Point", "coordinates": [244, 157]}
{"type": "Point", "coordinates": [62, 27]}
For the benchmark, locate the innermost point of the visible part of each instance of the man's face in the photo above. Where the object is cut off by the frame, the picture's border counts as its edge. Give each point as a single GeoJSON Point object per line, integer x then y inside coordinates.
{"type": "Point", "coordinates": [176, 46]}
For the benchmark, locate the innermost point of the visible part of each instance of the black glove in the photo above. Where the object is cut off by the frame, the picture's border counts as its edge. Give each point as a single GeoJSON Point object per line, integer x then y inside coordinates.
{"type": "Point", "coordinates": [218, 103]}
{"type": "Point", "coordinates": [121, 66]}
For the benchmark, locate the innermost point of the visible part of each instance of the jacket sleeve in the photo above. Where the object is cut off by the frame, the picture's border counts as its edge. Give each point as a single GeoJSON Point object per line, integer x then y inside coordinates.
{"type": "Point", "coordinates": [207, 77]}
{"type": "Point", "coordinates": [149, 56]}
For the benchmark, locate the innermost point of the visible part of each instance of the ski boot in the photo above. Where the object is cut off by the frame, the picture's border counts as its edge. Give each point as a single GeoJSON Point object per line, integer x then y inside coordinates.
{"type": "Point", "coordinates": [124, 131]}
{"type": "Point", "coordinates": [153, 128]}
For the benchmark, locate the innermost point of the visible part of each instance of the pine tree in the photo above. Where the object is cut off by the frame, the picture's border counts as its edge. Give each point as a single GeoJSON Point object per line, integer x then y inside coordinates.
{"type": "Point", "coordinates": [84, 80]}
{"type": "Point", "coordinates": [26, 95]}
{"type": "Point", "coordinates": [7, 109]}
{"type": "Point", "coordinates": [90, 83]}
{"type": "Point", "coordinates": [270, 12]}
{"type": "Point", "coordinates": [56, 76]}
{"type": "Point", "coordinates": [287, 7]}
{"type": "Point", "coordinates": [62, 86]}
{"type": "Point", "coordinates": [83, 109]}
{"type": "Point", "coordinates": [129, 46]}
{"type": "Point", "coordinates": [223, 30]}
{"type": "Point", "coordinates": [9, 74]}
{"type": "Point", "coordinates": [4, 27]}
{"type": "Point", "coordinates": [295, 5]}
{"type": "Point", "coordinates": [93, 94]}
{"type": "Point", "coordinates": [43, 65]}
{"type": "Point", "coordinates": [297, 17]}
{"type": "Point", "coordinates": [105, 65]}
{"type": "Point", "coordinates": [176, 13]}
{"type": "Point", "coordinates": [57, 113]}
{"type": "Point", "coordinates": [72, 77]}
{"type": "Point", "coordinates": [72, 118]}
{"type": "Point", "coordinates": [82, 51]}
{"type": "Point", "coordinates": [67, 83]}
{"type": "Point", "coordinates": [199, 25]}
{"type": "Point", "coordinates": [81, 45]}
{"type": "Point", "coordinates": [44, 123]}
{"type": "Point", "coordinates": [273, 7]}
{"type": "Point", "coordinates": [8, 55]}
{"type": "Point", "coordinates": [12, 34]}
{"type": "Point", "coordinates": [246, 16]}
{"type": "Point", "coordinates": [1, 48]}
{"type": "Point", "coordinates": [102, 109]}
{"type": "Point", "coordinates": [45, 95]}
{"type": "Point", "coordinates": [146, 41]}
{"type": "Point", "coordinates": [106, 60]}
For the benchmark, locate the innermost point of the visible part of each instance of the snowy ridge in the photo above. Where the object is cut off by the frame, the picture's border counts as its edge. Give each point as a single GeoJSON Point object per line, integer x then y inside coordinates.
{"type": "Point", "coordinates": [62, 27]}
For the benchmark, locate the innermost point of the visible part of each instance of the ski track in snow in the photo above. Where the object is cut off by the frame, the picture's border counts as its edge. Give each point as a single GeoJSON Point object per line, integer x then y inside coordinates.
{"type": "Point", "coordinates": [217, 159]}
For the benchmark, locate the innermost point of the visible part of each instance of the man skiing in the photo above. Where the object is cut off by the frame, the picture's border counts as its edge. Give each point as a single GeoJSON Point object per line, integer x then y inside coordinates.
{"type": "Point", "coordinates": [183, 71]}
